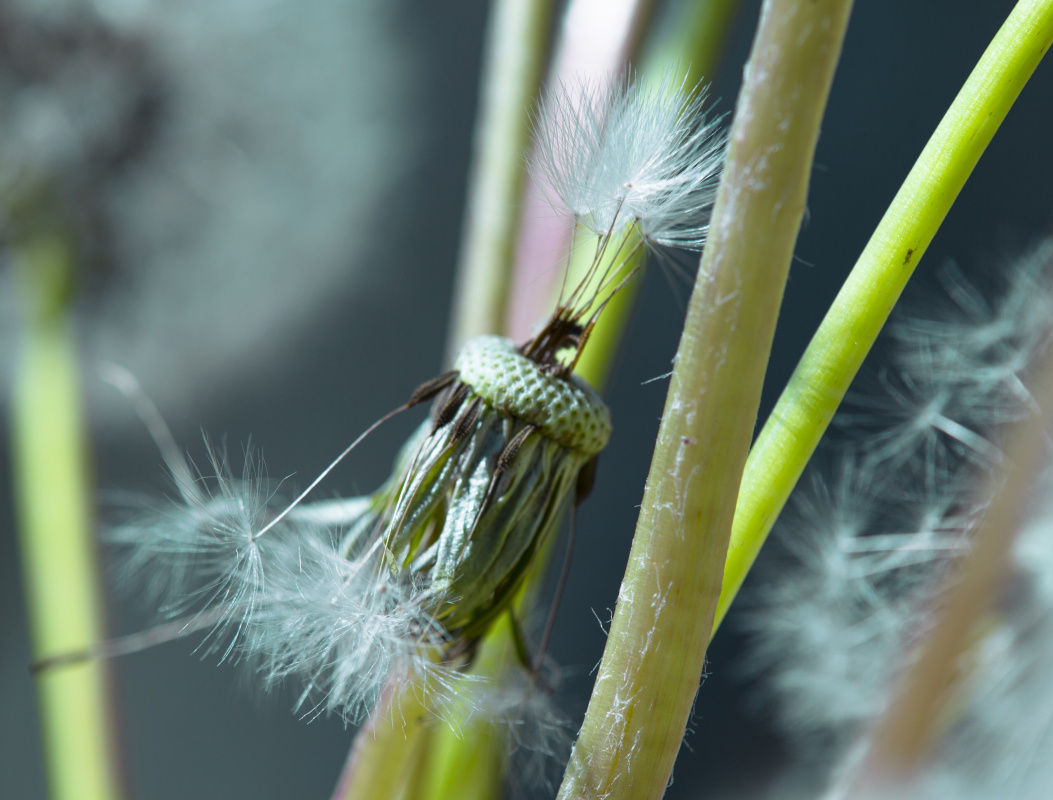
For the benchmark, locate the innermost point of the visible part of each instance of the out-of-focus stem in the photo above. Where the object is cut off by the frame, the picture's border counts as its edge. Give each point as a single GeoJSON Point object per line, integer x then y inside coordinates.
{"type": "Point", "coordinates": [864, 303]}
{"type": "Point", "coordinates": [650, 670]}
{"type": "Point", "coordinates": [516, 49]}
{"type": "Point", "coordinates": [59, 562]}
{"type": "Point", "coordinates": [691, 37]}
{"type": "Point", "coordinates": [469, 763]}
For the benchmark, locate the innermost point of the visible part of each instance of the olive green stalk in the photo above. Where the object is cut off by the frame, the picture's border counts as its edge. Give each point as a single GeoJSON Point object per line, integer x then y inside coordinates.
{"type": "Point", "coordinates": [57, 550]}
{"type": "Point", "coordinates": [516, 49]}
{"type": "Point", "coordinates": [864, 303]}
{"type": "Point", "coordinates": [650, 670]}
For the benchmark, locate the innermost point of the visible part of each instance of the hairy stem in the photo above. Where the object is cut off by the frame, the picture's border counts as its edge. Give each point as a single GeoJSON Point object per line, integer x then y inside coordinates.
{"type": "Point", "coordinates": [662, 623]}
{"type": "Point", "coordinates": [864, 303]}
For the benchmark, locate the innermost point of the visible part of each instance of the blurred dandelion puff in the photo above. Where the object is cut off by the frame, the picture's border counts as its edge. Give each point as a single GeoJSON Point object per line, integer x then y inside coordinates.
{"type": "Point", "coordinates": [872, 544]}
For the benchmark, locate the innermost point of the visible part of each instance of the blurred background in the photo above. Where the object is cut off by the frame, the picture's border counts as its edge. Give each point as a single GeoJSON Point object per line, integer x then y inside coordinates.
{"type": "Point", "coordinates": [268, 197]}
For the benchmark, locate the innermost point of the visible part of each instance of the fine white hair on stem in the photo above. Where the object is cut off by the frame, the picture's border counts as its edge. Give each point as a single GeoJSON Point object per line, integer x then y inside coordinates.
{"type": "Point", "coordinates": [629, 155]}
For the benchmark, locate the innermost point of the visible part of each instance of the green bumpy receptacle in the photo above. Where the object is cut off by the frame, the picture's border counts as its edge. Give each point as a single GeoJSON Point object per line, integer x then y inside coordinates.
{"type": "Point", "coordinates": [476, 494]}
{"type": "Point", "coordinates": [569, 412]}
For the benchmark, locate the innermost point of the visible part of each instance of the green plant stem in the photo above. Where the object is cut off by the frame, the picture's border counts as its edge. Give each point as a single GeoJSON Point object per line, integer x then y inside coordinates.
{"type": "Point", "coordinates": [650, 670]}
{"type": "Point", "coordinates": [469, 763]}
{"type": "Point", "coordinates": [388, 752]}
{"type": "Point", "coordinates": [864, 303]}
{"type": "Point", "coordinates": [693, 38]}
{"type": "Point", "coordinates": [57, 550]}
{"type": "Point", "coordinates": [516, 49]}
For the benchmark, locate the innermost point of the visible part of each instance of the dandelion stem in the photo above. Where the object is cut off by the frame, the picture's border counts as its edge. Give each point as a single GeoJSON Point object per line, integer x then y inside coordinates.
{"type": "Point", "coordinates": [513, 65]}
{"type": "Point", "coordinates": [650, 670]}
{"type": "Point", "coordinates": [387, 752]}
{"type": "Point", "coordinates": [864, 303]}
{"type": "Point", "coordinates": [58, 555]}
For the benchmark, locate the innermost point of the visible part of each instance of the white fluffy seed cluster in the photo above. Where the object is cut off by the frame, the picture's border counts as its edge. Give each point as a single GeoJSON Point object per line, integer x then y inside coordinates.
{"type": "Point", "coordinates": [568, 412]}
{"type": "Point", "coordinates": [871, 537]}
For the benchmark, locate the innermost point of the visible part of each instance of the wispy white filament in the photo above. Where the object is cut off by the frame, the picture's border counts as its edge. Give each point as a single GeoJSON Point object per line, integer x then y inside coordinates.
{"type": "Point", "coordinates": [629, 155]}
{"type": "Point", "coordinates": [292, 602]}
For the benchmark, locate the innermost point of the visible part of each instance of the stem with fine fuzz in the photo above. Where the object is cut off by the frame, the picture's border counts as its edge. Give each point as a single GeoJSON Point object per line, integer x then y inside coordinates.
{"type": "Point", "coordinates": [662, 623]}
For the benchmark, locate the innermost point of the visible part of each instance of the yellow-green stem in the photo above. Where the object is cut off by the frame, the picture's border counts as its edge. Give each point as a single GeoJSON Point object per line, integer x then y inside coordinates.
{"type": "Point", "coordinates": [864, 303]}
{"type": "Point", "coordinates": [650, 670]}
{"type": "Point", "coordinates": [468, 764]}
{"type": "Point", "coordinates": [388, 752]}
{"type": "Point", "coordinates": [513, 64]}
{"type": "Point", "coordinates": [56, 545]}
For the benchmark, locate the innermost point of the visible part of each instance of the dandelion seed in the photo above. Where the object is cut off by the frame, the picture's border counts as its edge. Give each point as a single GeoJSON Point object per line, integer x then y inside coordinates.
{"type": "Point", "coordinates": [628, 155]}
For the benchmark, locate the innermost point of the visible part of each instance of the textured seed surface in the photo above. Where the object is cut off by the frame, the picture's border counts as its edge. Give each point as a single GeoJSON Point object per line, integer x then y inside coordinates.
{"type": "Point", "coordinates": [568, 412]}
